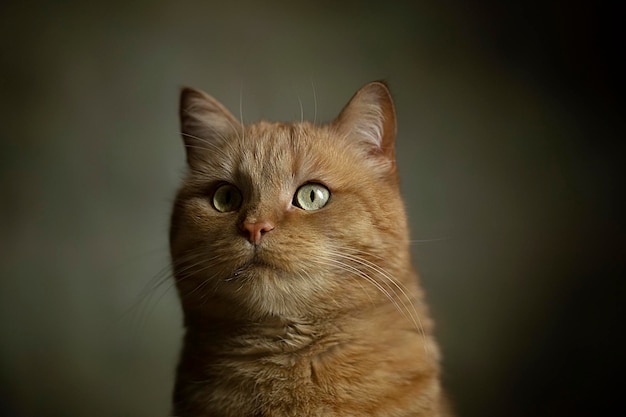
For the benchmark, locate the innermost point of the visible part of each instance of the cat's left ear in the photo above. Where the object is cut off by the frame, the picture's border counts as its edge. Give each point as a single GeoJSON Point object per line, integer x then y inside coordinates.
{"type": "Point", "coordinates": [370, 117]}
{"type": "Point", "coordinates": [204, 123]}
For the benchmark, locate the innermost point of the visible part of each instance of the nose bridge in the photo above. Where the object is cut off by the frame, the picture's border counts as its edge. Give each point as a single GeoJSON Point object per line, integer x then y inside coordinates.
{"type": "Point", "coordinates": [259, 217]}
{"type": "Point", "coordinates": [263, 205]}
{"type": "Point", "coordinates": [264, 170]}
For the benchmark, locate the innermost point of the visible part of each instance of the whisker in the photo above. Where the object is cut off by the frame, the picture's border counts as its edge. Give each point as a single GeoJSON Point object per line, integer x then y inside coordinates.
{"type": "Point", "coordinates": [243, 128]}
{"type": "Point", "coordinates": [414, 315]}
{"type": "Point", "coordinates": [437, 239]}
{"type": "Point", "coordinates": [349, 268]}
{"type": "Point", "coordinates": [408, 307]}
{"type": "Point", "coordinates": [208, 145]}
{"type": "Point", "coordinates": [148, 290]}
{"type": "Point", "coordinates": [301, 110]}
{"type": "Point", "coordinates": [346, 268]}
{"type": "Point", "coordinates": [314, 102]}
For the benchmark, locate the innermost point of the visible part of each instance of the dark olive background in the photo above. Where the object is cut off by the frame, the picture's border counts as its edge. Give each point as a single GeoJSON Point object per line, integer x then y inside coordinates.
{"type": "Point", "coordinates": [511, 130]}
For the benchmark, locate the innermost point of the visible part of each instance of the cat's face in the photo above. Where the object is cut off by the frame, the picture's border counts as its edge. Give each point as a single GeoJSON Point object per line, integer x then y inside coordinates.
{"type": "Point", "coordinates": [288, 219]}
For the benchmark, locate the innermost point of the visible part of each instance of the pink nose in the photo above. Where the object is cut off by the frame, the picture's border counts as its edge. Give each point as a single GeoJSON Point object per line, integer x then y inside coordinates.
{"type": "Point", "coordinates": [255, 231]}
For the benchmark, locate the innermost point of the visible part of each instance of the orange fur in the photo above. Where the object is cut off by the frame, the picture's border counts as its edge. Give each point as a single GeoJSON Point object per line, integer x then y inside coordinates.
{"type": "Point", "coordinates": [322, 315]}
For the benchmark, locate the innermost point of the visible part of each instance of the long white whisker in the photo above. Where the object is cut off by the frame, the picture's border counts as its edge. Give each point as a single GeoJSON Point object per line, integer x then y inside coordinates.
{"type": "Point", "coordinates": [390, 283]}
{"type": "Point", "coordinates": [243, 128]}
{"type": "Point", "coordinates": [314, 102]}
{"type": "Point", "coordinates": [412, 311]}
{"type": "Point", "coordinates": [437, 239]}
{"type": "Point", "coordinates": [349, 268]}
{"type": "Point", "coordinates": [210, 145]}
{"type": "Point", "coordinates": [301, 110]}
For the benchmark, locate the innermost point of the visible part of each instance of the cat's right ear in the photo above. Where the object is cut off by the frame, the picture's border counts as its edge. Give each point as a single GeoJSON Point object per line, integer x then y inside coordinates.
{"type": "Point", "coordinates": [370, 119]}
{"type": "Point", "coordinates": [204, 123]}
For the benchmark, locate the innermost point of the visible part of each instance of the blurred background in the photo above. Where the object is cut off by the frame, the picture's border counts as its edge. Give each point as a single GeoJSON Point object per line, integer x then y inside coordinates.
{"type": "Point", "coordinates": [511, 127]}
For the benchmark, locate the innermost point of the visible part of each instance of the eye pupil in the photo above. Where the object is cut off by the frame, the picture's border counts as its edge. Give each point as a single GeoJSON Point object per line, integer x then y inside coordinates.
{"type": "Point", "coordinates": [312, 196]}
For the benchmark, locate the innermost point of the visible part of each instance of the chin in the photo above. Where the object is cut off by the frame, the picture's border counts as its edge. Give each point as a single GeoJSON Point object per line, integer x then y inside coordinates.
{"type": "Point", "coordinates": [271, 291]}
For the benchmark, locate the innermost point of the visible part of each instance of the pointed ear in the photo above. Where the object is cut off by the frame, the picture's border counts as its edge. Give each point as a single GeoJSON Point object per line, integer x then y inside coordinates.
{"type": "Point", "coordinates": [370, 117]}
{"type": "Point", "coordinates": [204, 122]}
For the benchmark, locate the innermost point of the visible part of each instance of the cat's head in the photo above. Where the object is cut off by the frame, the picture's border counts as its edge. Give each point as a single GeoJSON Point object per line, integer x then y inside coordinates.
{"type": "Point", "coordinates": [288, 219]}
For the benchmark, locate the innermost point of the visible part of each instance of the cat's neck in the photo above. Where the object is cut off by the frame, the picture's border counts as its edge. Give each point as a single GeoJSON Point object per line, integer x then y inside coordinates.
{"type": "Point", "coordinates": [271, 335]}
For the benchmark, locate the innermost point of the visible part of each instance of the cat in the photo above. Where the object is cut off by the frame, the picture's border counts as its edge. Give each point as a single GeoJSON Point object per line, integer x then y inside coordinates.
{"type": "Point", "coordinates": [290, 251]}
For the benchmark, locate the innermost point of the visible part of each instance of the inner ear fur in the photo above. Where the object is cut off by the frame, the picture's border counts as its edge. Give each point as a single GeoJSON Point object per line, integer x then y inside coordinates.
{"type": "Point", "coordinates": [204, 121]}
{"type": "Point", "coordinates": [370, 117]}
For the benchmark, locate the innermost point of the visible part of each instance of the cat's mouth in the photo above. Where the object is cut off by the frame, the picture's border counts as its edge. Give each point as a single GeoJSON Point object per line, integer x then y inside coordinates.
{"type": "Point", "coordinates": [256, 264]}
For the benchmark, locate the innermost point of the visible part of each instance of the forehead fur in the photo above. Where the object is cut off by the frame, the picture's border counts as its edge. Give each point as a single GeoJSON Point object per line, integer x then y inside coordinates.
{"type": "Point", "coordinates": [283, 155]}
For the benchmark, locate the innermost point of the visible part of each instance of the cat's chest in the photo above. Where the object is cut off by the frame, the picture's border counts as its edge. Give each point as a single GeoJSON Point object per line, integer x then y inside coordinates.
{"type": "Point", "coordinates": [301, 370]}
{"type": "Point", "coordinates": [275, 375]}
{"type": "Point", "coordinates": [336, 380]}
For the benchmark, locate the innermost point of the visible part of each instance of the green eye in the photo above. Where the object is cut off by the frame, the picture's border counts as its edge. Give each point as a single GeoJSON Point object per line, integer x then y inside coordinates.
{"type": "Point", "coordinates": [227, 198]}
{"type": "Point", "coordinates": [311, 196]}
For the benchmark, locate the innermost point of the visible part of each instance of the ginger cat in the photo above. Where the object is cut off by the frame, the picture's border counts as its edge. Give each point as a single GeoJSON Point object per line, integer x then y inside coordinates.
{"type": "Point", "coordinates": [290, 250]}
